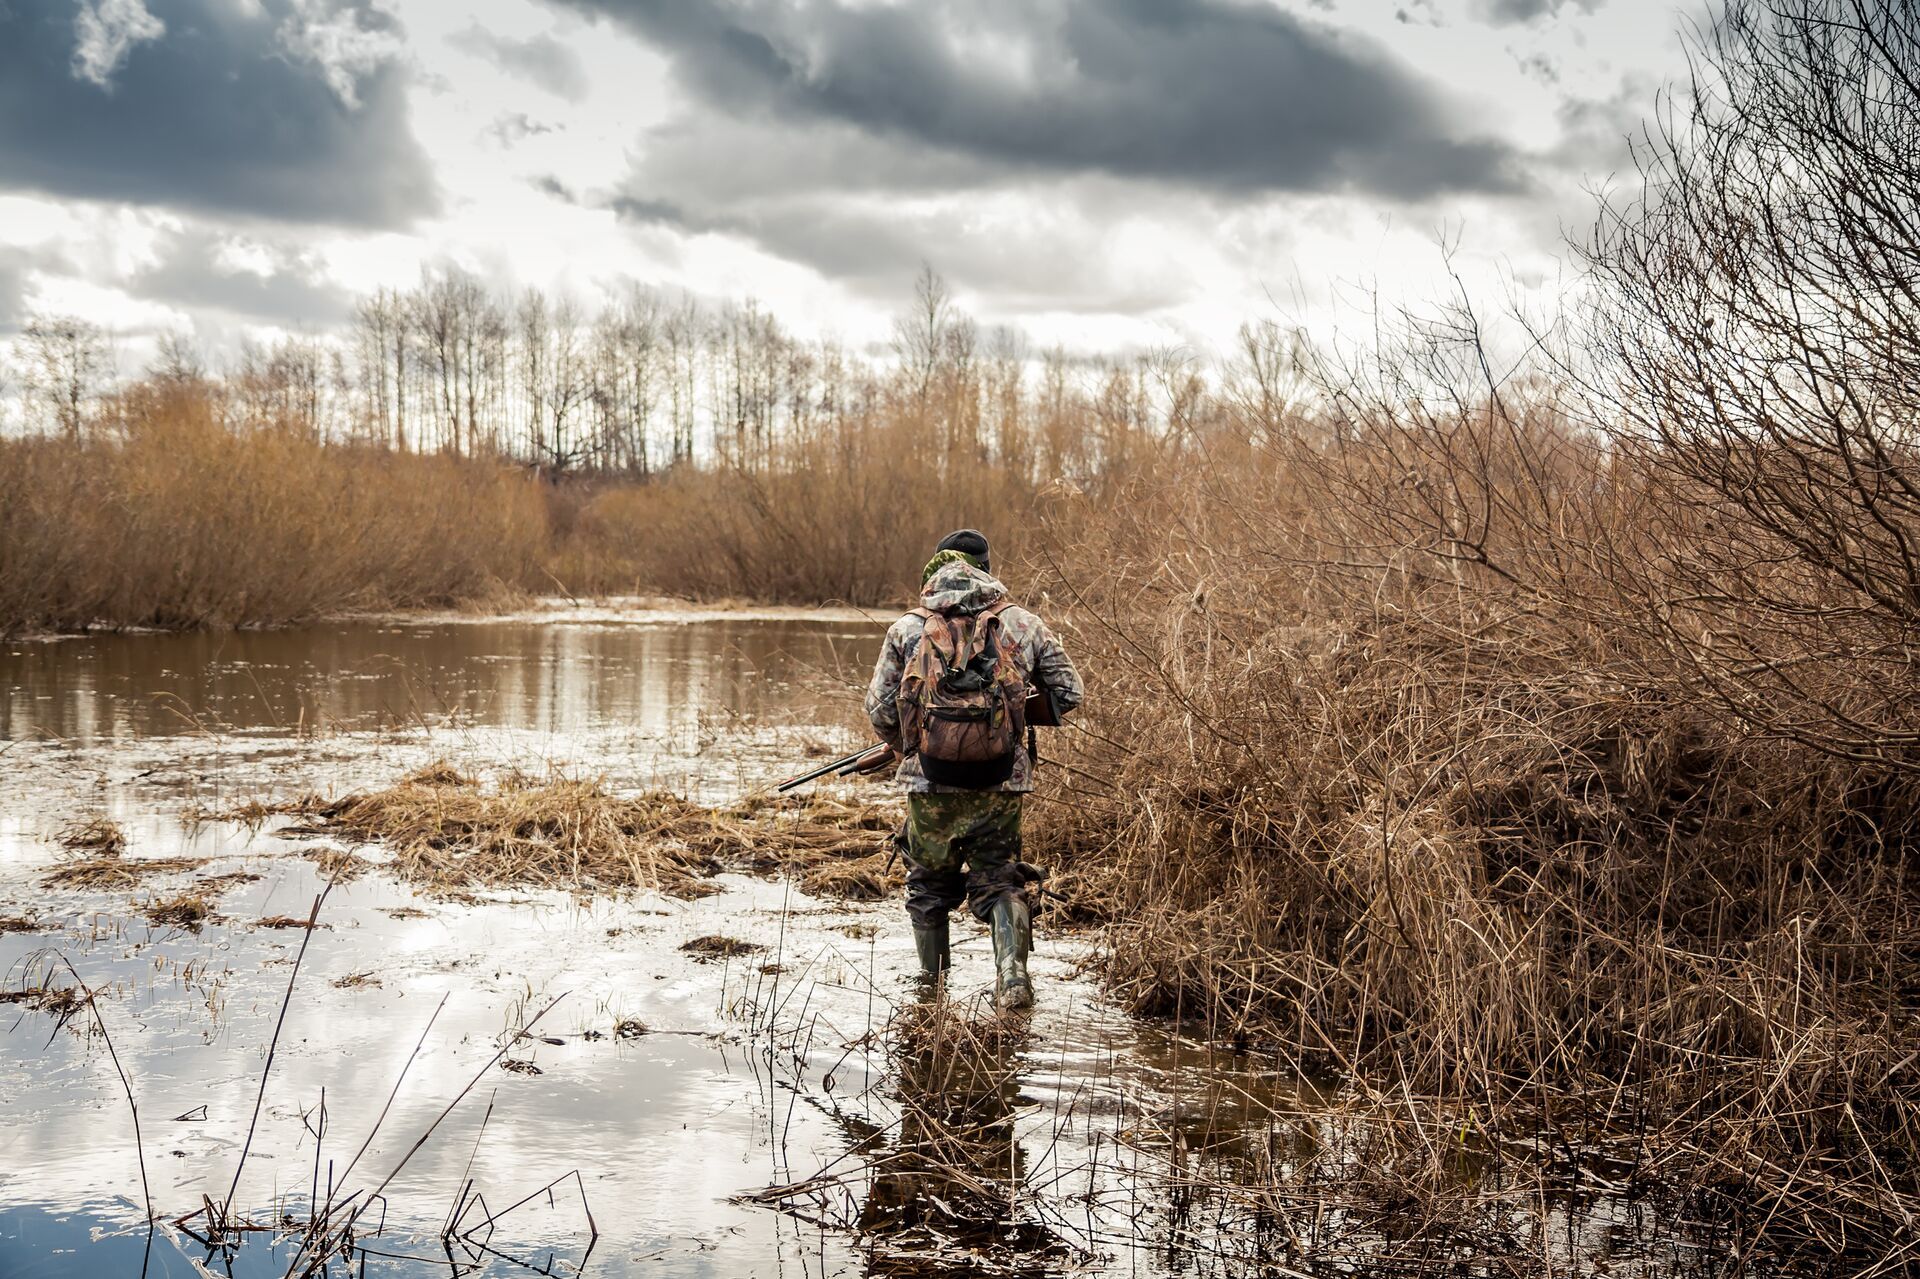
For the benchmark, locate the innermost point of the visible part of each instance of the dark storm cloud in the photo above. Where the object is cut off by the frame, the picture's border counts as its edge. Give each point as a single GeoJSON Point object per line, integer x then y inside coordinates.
{"type": "Point", "coordinates": [191, 275]}
{"type": "Point", "coordinates": [1209, 93]}
{"type": "Point", "coordinates": [278, 112]}
{"type": "Point", "coordinates": [540, 59]}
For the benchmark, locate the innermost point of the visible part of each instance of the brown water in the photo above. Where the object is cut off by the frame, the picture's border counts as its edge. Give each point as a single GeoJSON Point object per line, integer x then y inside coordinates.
{"type": "Point", "coordinates": [555, 677]}
{"type": "Point", "coordinates": [760, 1125]}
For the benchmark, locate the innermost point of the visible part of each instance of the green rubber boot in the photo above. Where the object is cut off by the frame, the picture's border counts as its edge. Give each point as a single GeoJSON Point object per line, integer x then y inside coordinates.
{"type": "Point", "coordinates": [931, 941]}
{"type": "Point", "coordinates": [1012, 926]}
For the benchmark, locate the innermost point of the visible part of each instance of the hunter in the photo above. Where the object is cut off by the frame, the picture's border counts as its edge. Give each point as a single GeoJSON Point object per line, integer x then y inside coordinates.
{"type": "Point", "coordinates": [949, 695]}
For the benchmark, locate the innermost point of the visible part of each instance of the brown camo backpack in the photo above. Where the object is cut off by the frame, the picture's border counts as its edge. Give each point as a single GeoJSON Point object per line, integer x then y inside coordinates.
{"type": "Point", "coordinates": [963, 699]}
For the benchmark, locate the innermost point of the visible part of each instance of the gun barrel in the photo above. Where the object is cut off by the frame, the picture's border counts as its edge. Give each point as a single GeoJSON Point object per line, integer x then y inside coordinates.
{"type": "Point", "coordinates": [823, 770]}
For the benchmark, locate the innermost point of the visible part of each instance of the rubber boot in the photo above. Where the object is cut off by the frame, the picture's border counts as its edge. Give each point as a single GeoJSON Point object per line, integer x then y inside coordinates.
{"type": "Point", "coordinates": [1012, 926]}
{"type": "Point", "coordinates": [931, 941]}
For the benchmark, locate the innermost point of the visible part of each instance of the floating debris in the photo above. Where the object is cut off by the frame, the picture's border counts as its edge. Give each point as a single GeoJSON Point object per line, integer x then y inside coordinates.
{"type": "Point", "coordinates": [94, 835]}
{"type": "Point", "coordinates": [338, 865]}
{"type": "Point", "coordinates": [186, 910]}
{"type": "Point", "coordinates": [110, 870]}
{"type": "Point", "coordinates": [216, 884]}
{"type": "Point", "coordinates": [706, 950]}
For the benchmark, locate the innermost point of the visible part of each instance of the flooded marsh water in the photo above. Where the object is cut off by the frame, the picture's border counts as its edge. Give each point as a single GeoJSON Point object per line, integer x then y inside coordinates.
{"type": "Point", "coordinates": [782, 1102]}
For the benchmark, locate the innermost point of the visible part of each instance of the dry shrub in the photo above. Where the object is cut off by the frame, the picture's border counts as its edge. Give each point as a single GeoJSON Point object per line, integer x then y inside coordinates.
{"type": "Point", "coordinates": [179, 518]}
{"type": "Point", "coordinates": [1388, 764]}
{"type": "Point", "coordinates": [850, 514]}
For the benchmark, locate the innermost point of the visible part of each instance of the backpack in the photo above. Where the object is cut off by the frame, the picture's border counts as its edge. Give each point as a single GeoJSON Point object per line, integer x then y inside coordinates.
{"type": "Point", "coordinates": [963, 699]}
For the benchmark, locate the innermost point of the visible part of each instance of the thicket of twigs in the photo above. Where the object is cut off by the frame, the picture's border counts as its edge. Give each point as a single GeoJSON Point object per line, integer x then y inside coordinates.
{"type": "Point", "coordinates": [1558, 743]}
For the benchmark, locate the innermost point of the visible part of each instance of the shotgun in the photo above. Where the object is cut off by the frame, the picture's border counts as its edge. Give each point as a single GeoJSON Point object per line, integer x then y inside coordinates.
{"type": "Point", "coordinates": [867, 759]}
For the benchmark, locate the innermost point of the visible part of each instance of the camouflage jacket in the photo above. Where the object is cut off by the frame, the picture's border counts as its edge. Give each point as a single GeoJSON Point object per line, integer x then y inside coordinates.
{"type": "Point", "coordinates": [962, 588]}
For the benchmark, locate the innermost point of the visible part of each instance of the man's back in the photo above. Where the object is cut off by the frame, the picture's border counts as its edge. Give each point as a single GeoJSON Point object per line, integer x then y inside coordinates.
{"type": "Point", "coordinates": [958, 587]}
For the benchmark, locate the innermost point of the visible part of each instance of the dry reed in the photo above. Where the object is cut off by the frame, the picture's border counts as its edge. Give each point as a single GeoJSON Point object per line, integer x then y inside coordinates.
{"type": "Point", "coordinates": [184, 910]}
{"type": "Point", "coordinates": [97, 835]}
{"type": "Point", "coordinates": [186, 520]}
{"type": "Point", "coordinates": [1440, 813]}
{"type": "Point", "coordinates": [447, 832]}
{"type": "Point", "coordinates": [114, 872]}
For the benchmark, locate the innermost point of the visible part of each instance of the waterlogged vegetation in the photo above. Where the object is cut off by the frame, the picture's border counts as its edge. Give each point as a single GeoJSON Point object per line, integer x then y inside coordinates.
{"type": "Point", "coordinates": [739, 1068]}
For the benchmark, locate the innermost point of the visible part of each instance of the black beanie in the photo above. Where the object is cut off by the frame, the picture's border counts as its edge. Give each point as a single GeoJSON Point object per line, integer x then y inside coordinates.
{"type": "Point", "coordinates": [967, 541]}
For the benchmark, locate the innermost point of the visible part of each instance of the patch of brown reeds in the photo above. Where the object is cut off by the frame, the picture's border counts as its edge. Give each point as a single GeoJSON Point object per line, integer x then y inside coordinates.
{"type": "Point", "coordinates": [1441, 807]}
{"type": "Point", "coordinates": [113, 871]}
{"type": "Point", "coordinates": [705, 950]}
{"type": "Point", "coordinates": [97, 835]}
{"type": "Point", "coordinates": [448, 832]}
{"type": "Point", "coordinates": [183, 910]}
{"type": "Point", "coordinates": [186, 518]}
{"type": "Point", "coordinates": [63, 1002]}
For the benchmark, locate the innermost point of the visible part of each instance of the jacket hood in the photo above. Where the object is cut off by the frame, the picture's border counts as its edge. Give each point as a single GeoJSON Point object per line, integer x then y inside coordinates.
{"type": "Point", "coordinates": [959, 587]}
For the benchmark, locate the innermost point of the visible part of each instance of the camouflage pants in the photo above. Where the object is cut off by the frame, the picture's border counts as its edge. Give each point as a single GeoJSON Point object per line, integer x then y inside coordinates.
{"type": "Point", "coordinates": [962, 847]}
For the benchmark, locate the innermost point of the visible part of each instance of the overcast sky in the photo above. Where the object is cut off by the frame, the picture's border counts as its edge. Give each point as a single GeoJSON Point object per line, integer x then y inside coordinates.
{"type": "Point", "coordinates": [1103, 173]}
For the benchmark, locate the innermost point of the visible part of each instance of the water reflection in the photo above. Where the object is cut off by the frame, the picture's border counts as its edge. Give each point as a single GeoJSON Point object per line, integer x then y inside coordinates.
{"type": "Point", "coordinates": [541, 676]}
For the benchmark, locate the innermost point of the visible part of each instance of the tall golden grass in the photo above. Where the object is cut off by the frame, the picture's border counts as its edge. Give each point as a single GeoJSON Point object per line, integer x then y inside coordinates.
{"type": "Point", "coordinates": [848, 514]}
{"type": "Point", "coordinates": [173, 514]}
{"type": "Point", "coordinates": [1397, 760]}
{"type": "Point", "coordinates": [175, 518]}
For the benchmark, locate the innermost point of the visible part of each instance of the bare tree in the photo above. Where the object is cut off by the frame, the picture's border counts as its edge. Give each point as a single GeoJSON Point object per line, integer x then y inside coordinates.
{"type": "Point", "coordinates": [1762, 301]}
{"type": "Point", "coordinates": [177, 358]}
{"type": "Point", "coordinates": [920, 336]}
{"type": "Point", "coordinates": [67, 365]}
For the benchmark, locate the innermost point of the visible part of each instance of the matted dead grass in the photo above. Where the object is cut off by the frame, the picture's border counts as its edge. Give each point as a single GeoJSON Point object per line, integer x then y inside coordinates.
{"type": "Point", "coordinates": [96, 835]}
{"type": "Point", "coordinates": [449, 832]}
{"type": "Point", "coordinates": [113, 871]}
{"type": "Point", "coordinates": [709, 949]}
{"type": "Point", "coordinates": [184, 910]}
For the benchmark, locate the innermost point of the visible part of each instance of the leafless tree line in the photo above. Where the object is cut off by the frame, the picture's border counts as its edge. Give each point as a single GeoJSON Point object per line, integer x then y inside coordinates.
{"type": "Point", "coordinates": [651, 381]}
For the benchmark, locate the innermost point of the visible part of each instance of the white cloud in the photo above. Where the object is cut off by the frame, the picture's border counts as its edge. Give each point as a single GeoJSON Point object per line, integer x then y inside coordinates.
{"type": "Point", "coordinates": [107, 31]}
{"type": "Point", "coordinates": [347, 41]}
